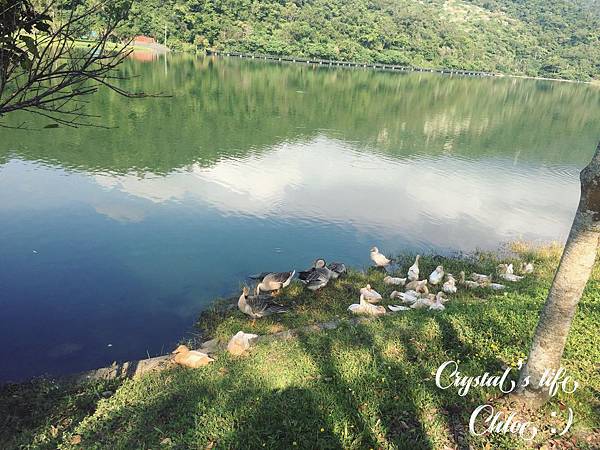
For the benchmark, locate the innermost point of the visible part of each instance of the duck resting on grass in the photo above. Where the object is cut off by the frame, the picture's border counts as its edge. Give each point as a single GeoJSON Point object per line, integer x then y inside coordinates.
{"type": "Point", "coordinates": [438, 304]}
{"type": "Point", "coordinates": [258, 306]}
{"type": "Point", "coordinates": [419, 286]}
{"type": "Point", "coordinates": [379, 259]}
{"type": "Point", "coordinates": [364, 308]}
{"type": "Point", "coordinates": [338, 269]}
{"type": "Point", "coordinates": [527, 267]}
{"type": "Point", "coordinates": [316, 277]}
{"type": "Point", "coordinates": [274, 281]}
{"type": "Point", "coordinates": [480, 278]}
{"type": "Point", "coordinates": [506, 271]}
{"type": "Point", "coordinates": [470, 284]}
{"type": "Point", "coordinates": [486, 283]}
{"type": "Point", "coordinates": [370, 294]}
{"type": "Point", "coordinates": [437, 275]}
{"type": "Point", "coordinates": [394, 281]}
{"type": "Point", "coordinates": [423, 302]}
{"type": "Point", "coordinates": [406, 297]}
{"type": "Point", "coordinates": [449, 287]}
{"type": "Point", "coordinates": [413, 271]}
{"type": "Point", "coordinates": [190, 358]}
{"type": "Point", "coordinates": [396, 308]}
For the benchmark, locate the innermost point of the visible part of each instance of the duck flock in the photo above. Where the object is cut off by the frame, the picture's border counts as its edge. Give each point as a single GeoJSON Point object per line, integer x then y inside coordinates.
{"type": "Point", "coordinates": [416, 292]}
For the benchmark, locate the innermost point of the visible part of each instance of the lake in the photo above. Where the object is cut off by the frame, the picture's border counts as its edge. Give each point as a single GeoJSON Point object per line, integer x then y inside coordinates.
{"type": "Point", "coordinates": [113, 240]}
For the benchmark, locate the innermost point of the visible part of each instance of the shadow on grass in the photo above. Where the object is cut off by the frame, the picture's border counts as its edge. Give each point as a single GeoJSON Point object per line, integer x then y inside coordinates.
{"type": "Point", "coordinates": [39, 412]}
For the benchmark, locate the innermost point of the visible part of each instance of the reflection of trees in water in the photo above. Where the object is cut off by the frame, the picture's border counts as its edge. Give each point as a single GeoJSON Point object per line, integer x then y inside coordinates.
{"type": "Point", "coordinates": [229, 108]}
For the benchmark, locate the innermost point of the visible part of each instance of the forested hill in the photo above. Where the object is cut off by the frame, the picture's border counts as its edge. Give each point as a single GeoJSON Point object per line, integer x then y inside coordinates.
{"type": "Point", "coordinates": [558, 38]}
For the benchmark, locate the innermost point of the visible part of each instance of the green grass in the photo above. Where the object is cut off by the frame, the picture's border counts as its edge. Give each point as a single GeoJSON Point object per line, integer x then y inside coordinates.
{"type": "Point", "coordinates": [367, 385]}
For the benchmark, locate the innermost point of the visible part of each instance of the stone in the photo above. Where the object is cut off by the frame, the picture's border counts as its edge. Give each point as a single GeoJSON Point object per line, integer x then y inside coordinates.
{"type": "Point", "coordinates": [211, 346]}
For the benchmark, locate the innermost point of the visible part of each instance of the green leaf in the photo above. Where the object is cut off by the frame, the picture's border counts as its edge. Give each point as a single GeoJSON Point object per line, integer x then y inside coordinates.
{"type": "Point", "coordinates": [31, 44]}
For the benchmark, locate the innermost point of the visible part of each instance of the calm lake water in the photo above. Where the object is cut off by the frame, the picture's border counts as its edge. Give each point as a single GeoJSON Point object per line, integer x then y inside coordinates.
{"type": "Point", "coordinates": [113, 240]}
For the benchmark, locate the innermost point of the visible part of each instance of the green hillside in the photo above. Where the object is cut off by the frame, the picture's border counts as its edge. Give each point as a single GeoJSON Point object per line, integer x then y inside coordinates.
{"type": "Point", "coordinates": [528, 37]}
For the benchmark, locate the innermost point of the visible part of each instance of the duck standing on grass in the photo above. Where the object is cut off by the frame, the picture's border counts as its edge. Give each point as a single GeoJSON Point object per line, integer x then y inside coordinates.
{"type": "Point", "coordinates": [365, 308]}
{"type": "Point", "coordinates": [413, 271]}
{"type": "Point", "coordinates": [258, 306]}
{"type": "Point", "coordinates": [275, 281]}
{"type": "Point", "coordinates": [379, 259]}
{"type": "Point", "coordinates": [437, 275]}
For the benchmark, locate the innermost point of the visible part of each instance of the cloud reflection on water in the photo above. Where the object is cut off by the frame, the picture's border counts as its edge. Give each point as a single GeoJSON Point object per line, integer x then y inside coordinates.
{"type": "Point", "coordinates": [436, 202]}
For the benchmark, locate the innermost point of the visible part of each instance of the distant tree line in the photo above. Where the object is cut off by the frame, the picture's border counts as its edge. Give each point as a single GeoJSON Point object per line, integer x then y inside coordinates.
{"type": "Point", "coordinates": [530, 37]}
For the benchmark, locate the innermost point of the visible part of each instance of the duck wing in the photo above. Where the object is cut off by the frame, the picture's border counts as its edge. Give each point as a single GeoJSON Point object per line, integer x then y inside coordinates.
{"type": "Point", "coordinates": [279, 277]}
{"type": "Point", "coordinates": [315, 275]}
{"type": "Point", "coordinates": [259, 276]}
{"type": "Point", "coordinates": [264, 306]}
{"type": "Point", "coordinates": [305, 274]}
{"type": "Point", "coordinates": [338, 267]}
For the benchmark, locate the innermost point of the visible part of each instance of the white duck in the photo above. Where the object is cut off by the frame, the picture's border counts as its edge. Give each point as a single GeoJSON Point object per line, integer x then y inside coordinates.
{"type": "Point", "coordinates": [468, 283]}
{"type": "Point", "coordinates": [449, 287]}
{"type": "Point", "coordinates": [396, 308]}
{"type": "Point", "coordinates": [497, 286]}
{"type": "Point", "coordinates": [438, 304]}
{"type": "Point", "coordinates": [408, 296]}
{"type": "Point", "coordinates": [423, 302]}
{"type": "Point", "coordinates": [275, 281]}
{"type": "Point", "coordinates": [366, 309]}
{"type": "Point", "coordinates": [413, 271]}
{"type": "Point", "coordinates": [506, 272]}
{"type": "Point", "coordinates": [480, 278]}
{"type": "Point", "coordinates": [527, 267]}
{"type": "Point", "coordinates": [370, 294]}
{"type": "Point", "coordinates": [379, 259]}
{"type": "Point", "coordinates": [394, 281]}
{"type": "Point", "coordinates": [419, 286]}
{"type": "Point", "coordinates": [437, 275]}
{"type": "Point", "coordinates": [511, 277]}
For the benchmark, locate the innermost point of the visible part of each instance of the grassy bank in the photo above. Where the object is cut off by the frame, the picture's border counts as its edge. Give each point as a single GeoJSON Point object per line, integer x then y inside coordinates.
{"type": "Point", "coordinates": [369, 385]}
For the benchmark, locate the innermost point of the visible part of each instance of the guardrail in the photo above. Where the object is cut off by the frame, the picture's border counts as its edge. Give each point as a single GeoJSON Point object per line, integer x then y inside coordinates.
{"type": "Point", "coordinates": [332, 63]}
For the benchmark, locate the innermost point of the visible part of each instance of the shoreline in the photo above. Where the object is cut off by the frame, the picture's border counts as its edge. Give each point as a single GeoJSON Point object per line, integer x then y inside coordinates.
{"type": "Point", "coordinates": [332, 377]}
{"type": "Point", "coordinates": [385, 67]}
{"type": "Point", "coordinates": [217, 311]}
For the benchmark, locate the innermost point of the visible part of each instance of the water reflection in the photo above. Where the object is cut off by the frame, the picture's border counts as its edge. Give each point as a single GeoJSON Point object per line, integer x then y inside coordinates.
{"type": "Point", "coordinates": [122, 236]}
{"type": "Point", "coordinates": [458, 200]}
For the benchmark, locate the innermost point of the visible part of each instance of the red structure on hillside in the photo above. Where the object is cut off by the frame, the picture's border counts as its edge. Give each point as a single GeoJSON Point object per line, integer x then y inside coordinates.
{"type": "Point", "coordinates": [144, 40]}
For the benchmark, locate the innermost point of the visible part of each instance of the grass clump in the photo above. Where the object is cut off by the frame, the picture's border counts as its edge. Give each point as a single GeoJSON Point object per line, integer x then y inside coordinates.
{"type": "Point", "coordinates": [365, 385]}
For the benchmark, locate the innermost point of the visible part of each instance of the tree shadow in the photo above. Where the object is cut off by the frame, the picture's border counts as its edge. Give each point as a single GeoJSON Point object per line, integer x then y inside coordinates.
{"type": "Point", "coordinates": [380, 420]}
{"type": "Point", "coordinates": [40, 411]}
